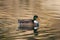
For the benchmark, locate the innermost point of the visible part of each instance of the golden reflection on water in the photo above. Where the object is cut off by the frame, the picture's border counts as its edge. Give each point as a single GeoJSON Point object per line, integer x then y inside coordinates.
{"type": "Point", "coordinates": [12, 10]}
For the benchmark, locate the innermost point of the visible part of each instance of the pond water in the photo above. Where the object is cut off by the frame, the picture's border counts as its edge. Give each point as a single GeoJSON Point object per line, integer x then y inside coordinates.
{"type": "Point", "coordinates": [12, 10]}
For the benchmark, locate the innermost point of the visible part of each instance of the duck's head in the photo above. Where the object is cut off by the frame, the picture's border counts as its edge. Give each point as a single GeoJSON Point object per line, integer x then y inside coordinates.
{"type": "Point", "coordinates": [35, 17]}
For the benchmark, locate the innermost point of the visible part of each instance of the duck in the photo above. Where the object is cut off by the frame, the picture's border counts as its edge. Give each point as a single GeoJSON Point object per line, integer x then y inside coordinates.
{"type": "Point", "coordinates": [35, 21]}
